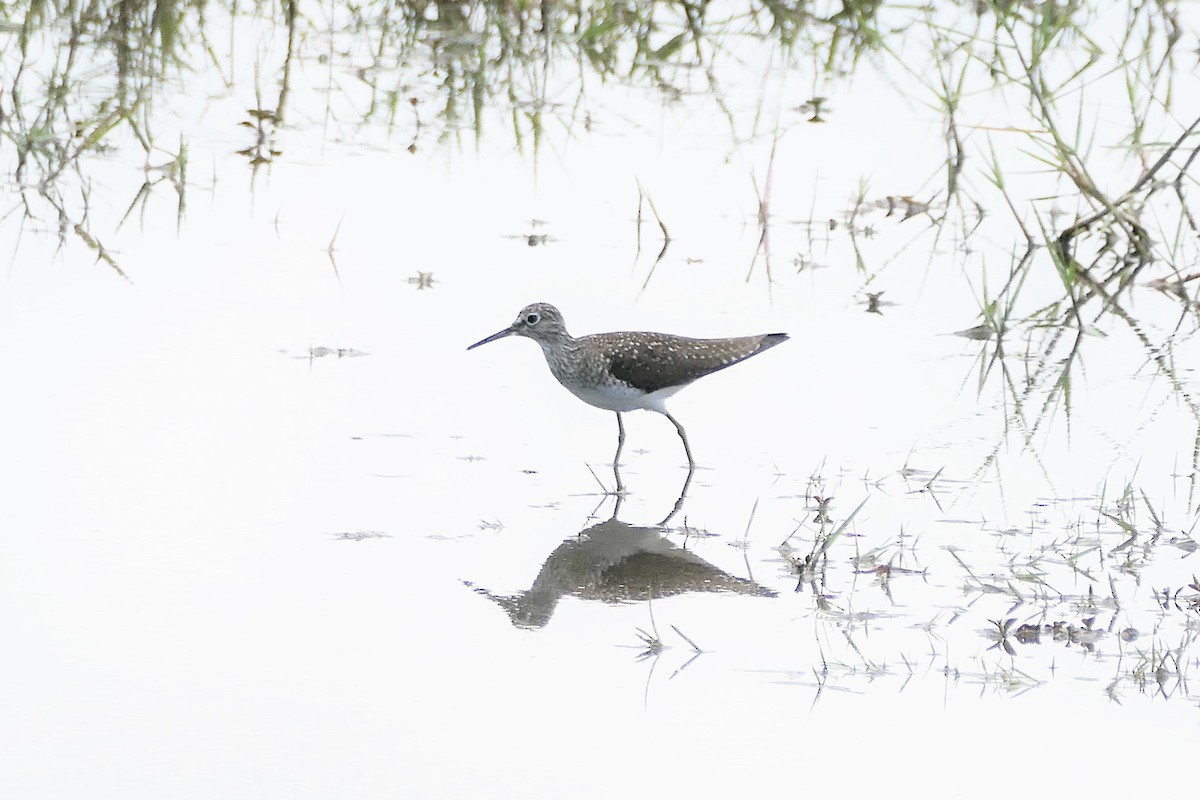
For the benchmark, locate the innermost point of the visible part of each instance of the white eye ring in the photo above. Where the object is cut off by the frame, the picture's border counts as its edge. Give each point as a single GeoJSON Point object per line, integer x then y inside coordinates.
{"type": "Point", "coordinates": [532, 319]}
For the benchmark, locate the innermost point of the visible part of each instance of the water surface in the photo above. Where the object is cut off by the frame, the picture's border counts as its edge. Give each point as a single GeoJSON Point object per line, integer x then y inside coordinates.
{"type": "Point", "coordinates": [269, 530]}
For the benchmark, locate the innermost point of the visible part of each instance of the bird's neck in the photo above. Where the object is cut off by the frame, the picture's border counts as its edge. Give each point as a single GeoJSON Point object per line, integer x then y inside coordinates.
{"type": "Point", "coordinates": [560, 351]}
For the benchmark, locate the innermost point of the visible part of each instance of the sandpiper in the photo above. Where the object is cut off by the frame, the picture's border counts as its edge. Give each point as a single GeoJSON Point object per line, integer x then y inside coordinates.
{"type": "Point", "coordinates": [629, 370]}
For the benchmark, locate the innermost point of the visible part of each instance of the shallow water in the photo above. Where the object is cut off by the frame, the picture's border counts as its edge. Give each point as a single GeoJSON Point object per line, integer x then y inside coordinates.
{"type": "Point", "coordinates": [269, 529]}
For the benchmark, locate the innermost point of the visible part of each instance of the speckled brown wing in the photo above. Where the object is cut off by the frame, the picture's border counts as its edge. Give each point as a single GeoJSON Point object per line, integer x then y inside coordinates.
{"type": "Point", "coordinates": [654, 361]}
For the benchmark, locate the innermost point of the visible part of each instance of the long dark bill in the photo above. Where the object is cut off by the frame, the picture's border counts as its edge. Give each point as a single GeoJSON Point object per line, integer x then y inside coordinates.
{"type": "Point", "coordinates": [497, 335]}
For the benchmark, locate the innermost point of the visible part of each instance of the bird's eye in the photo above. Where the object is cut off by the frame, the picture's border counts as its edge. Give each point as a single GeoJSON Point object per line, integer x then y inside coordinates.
{"type": "Point", "coordinates": [532, 319]}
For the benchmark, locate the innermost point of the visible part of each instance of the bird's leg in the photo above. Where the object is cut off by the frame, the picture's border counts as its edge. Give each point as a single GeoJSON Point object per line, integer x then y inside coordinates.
{"type": "Point", "coordinates": [683, 436]}
{"type": "Point", "coordinates": [691, 470]}
{"type": "Point", "coordinates": [682, 495]}
{"type": "Point", "coordinates": [617, 456]}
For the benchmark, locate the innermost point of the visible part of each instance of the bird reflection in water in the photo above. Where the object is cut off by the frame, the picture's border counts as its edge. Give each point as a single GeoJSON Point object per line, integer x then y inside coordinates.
{"type": "Point", "coordinates": [615, 562]}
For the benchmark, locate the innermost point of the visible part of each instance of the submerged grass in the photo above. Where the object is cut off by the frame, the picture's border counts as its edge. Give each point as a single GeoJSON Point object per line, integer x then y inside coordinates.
{"type": "Point", "coordinates": [80, 80]}
{"type": "Point", "coordinates": [1104, 207]}
{"type": "Point", "coordinates": [535, 62]}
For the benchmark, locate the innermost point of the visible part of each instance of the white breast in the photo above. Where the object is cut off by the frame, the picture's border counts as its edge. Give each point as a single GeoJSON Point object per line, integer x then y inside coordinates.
{"type": "Point", "coordinates": [616, 397]}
